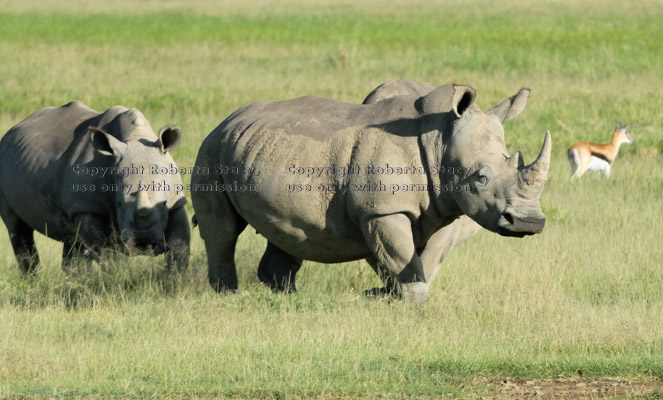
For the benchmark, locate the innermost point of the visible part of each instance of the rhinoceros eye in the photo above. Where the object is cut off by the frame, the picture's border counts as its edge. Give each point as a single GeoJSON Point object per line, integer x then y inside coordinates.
{"type": "Point", "coordinates": [482, 176]}
{"type": "Point", "coordinates": [479, 182]}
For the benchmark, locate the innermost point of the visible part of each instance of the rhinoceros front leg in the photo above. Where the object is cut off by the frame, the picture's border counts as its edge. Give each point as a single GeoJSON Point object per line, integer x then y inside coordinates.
{"type": "Point", "coordinates": [23, 242]}
{"type": "Point", "coordinates": [394, 254]}
{"type": "Point", "coordinates": [390, 286]}
{"type": "Point", "coordinates": [277, 269]}
{"type": "Point", "coordinates": [178, 239]}
{"type": "Point", "coordinates": [92, 234]}
{"type": "Point", "coordinates": [73, 250]}
{"type": "Point", "coordinates": [439, 245]}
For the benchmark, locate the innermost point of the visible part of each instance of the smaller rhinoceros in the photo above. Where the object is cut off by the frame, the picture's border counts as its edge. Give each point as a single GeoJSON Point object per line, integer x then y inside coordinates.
{"type": "Point", "coordinates": [92, 180]}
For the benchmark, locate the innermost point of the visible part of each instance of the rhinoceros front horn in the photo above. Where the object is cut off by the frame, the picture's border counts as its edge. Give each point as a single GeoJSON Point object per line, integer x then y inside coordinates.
{"type": "Point", "coordinates": [536, 174]}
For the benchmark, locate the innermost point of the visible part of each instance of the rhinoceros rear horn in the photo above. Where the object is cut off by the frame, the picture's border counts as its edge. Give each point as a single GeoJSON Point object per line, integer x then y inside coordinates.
{"type": "Point", "coordinates": [169, 138]}
{"type": "Point", "coordinates": [536, 174]}
{"type": "Point", "coordinates": [511, 107]}
{"type": "Point", "coordinates": [516, 160]}
{"type": "Point", "coordinates": [105, 143]}
{"type": "Point", "coordinates": [143, 203]}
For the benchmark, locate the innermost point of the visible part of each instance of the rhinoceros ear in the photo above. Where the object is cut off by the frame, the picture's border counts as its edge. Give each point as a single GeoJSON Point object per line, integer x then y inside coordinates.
{"type": "Point", "coordinates": [511, 107]}
{"type": "Point", "coordinates": [463, 99]}
{"type": "Point", "coordinates": [456, 98]}
{"type": "Point", "coordinates": [169, 138]}
{"type": "Point", "coordinates": [107, 144]}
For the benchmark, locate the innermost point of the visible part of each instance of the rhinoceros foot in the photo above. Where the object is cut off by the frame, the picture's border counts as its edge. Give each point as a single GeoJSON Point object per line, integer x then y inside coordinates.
{"type": "Point", "coordinates": [277, 269]}
{"type": "Point", "coordinates": [415, 292]}
{"type": "Point", "coordinates": [389, 289]}
{"type": "Point", "coordinates": [379, 292]}
{"type": "Point", "coordinates": [277, 283]}
{"type": "Point", "coordinates": [147, 248]}
{"type": "Point", "coordinates": [23, 241]}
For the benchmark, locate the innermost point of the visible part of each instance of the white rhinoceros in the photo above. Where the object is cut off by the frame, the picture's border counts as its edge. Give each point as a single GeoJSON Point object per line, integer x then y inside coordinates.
{"type": "Point", "coordinates": [330, 181]}
{"type": "Point", "coordinates": [92, 180]}
{"type": "Point", "coordinates": [278, 270]}
{"type": "Point", "coordinates": [444, 240]}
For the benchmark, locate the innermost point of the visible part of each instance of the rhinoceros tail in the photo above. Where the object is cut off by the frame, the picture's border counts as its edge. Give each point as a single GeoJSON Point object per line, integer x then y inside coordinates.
{"type": "Point", "coordinates": [194, 221]}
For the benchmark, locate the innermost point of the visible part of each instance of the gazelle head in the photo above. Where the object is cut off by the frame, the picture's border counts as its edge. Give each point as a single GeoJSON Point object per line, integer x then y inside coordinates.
{"type": "Point", "coordinates": [621, 135]}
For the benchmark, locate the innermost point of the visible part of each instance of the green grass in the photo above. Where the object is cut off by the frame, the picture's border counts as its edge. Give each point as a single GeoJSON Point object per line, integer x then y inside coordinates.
{"type": "Point", "coordinates": [581, 299]}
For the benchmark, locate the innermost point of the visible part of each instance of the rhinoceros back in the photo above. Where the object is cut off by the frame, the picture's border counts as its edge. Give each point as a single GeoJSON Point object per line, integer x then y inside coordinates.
{"type": "Point", "coordinates": [402, 87]}
{"type": "Point", "coordinates": [43, 137]}
{"type": "Point", "coordinates": [35, 155]}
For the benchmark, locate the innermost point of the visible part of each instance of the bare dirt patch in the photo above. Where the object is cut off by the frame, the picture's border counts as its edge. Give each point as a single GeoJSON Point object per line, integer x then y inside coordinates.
{"type": "Point", "coordinates": [574, 388]}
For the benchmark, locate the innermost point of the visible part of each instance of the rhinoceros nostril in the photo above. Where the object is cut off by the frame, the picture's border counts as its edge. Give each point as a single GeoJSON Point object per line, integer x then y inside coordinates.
{"type": "Point", "coordinates": [143, 220]}
{"type": "Point", "coordinates": [508, 217]}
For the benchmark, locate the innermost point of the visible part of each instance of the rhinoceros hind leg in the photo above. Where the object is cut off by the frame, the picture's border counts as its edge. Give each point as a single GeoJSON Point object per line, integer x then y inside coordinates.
{"type": "Point", "coordinates": [178, 238]}
{"type": "Point", "coordinates": [221, 272]}
{"type": "Point", "coordinates": [220, 226]}
{"type": "Point", "coordinates": [277, 269]}
{"type": "Point", "coordinates": [220, 241]}
{"type": "Point", "coordinates": [23, 242]}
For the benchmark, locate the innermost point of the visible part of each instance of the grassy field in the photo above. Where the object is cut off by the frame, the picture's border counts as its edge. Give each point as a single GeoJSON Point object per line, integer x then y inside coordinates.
{"type": "Point", "coordinates": [583, 300]}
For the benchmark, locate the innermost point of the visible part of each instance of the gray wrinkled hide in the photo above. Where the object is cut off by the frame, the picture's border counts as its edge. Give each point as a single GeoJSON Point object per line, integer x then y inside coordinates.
{"type": "Point", "coordinates": [278, 269]}
{"type": "Point", "coordinates": [48, 183]}
{"type": "Point", "coordinates": [391, 231]}
{"type": "Point", "coordinates": [443, 241]}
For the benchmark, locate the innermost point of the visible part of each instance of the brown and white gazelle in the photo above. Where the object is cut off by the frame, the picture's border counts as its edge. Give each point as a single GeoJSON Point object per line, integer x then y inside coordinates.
{"type": "Point", "coordinates": [585, 156]}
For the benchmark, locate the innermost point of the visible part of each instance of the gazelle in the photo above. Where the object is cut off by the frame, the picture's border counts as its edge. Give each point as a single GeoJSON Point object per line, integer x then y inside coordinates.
{"type": "Point", "coordinates": [585, 156]}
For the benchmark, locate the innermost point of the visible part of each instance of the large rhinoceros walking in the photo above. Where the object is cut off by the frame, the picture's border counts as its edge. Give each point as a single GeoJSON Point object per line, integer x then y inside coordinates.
{"type": "Point", "coordinates": [444, 240]}
{"type": "Point", "coordinates": [92, 180]}
{"type": "Point", "coordinates": [333, 181]}
{"type": "Point", "coordinates": [278, 269]}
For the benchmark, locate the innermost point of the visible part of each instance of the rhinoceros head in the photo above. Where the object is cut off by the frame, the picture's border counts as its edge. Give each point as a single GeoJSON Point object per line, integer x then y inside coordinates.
{"type": "Point", "coordinates": [146, 175]}
{"type": "Point", "coordinates": [499, 191]}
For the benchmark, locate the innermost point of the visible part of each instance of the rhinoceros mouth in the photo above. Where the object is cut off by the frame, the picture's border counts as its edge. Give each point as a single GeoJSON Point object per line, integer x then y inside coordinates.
{"type": "Point", "coordinates": [154, 247]}
{"type": "Point", "coordinates": [520, 226]}
{"type": "Point", "coordinates": [144, 245]}
{"type": "Point", "coordinates": [143, 238]}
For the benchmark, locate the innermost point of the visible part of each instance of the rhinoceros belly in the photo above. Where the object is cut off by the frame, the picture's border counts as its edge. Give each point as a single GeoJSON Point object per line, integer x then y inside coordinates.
{"type": "Point", "coordinates": [305, 224]}
{"type": "Point", "coordinates": [303, 164]}
{"type": "Point", "coordinates": [307, 215]}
